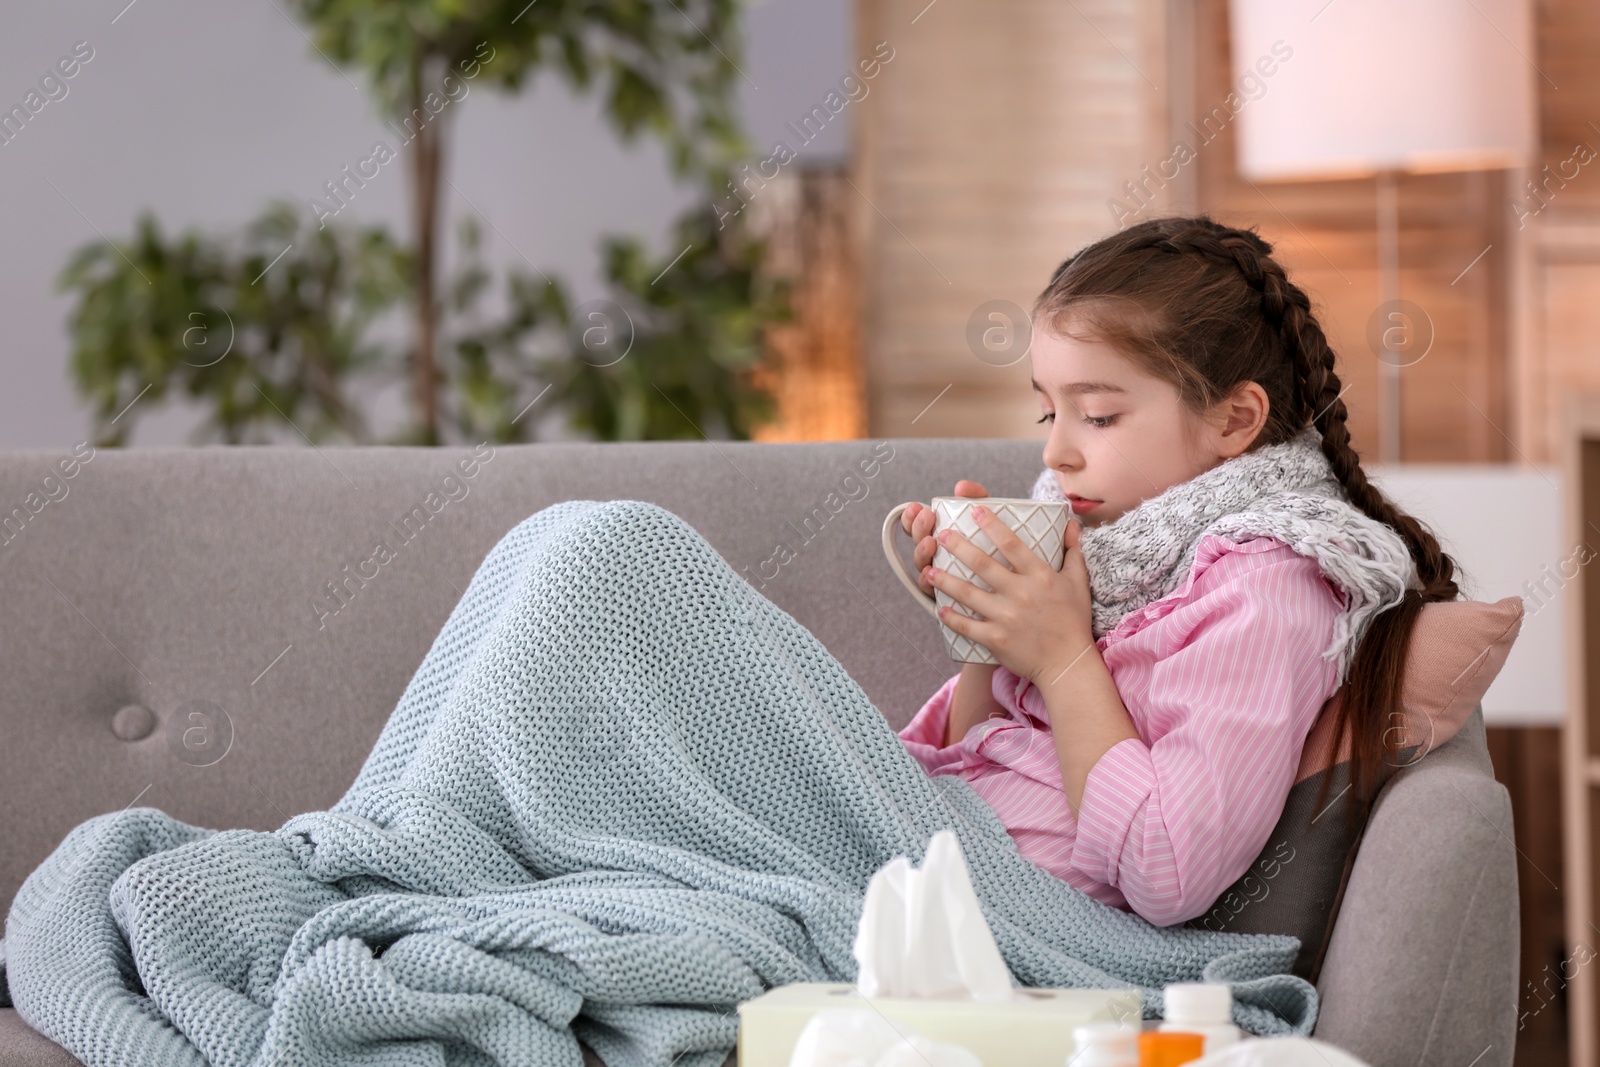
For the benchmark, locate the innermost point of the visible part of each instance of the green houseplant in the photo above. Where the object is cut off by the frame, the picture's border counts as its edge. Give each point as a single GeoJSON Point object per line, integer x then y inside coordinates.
{"type": "Point", "coordinates": [277, 325]}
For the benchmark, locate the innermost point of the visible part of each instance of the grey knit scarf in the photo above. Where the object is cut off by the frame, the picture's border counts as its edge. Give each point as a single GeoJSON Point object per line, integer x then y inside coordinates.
{"type": "Point", "coordinates": [1286, 491]}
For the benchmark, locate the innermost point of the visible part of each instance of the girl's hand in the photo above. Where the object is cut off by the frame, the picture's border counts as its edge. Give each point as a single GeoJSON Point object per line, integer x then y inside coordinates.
{"type": "Point", "coordinates": [918, 519]}
{"type": "Point", "coordinates": [1037, 620]}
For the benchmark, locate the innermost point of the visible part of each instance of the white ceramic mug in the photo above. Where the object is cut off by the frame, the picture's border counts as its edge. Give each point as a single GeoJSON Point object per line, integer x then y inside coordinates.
{"type": "Point", "coordinates": [1041, 524]}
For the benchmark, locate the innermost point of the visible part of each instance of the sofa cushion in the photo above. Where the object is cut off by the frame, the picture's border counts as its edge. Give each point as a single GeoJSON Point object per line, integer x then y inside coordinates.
{"type": "Point", "coordinates": [23, 1046]}
{"type": "Point", "coordinates": [1456, 651]}
{"type": "Point", "coordinates": [1296, 883]}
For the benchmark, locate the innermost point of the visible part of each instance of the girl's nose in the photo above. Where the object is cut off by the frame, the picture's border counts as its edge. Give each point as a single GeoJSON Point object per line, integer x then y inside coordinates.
{"type": "Point", "coordinates": [1059, 455]}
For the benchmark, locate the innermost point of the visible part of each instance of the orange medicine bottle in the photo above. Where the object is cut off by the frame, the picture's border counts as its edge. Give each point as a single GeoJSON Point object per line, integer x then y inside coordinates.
{"type": "Point", "coordinates": [1169, 1048]}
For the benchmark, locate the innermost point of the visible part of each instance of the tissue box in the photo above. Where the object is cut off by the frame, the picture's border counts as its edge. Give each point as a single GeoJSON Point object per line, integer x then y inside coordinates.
{"type": "Point", "coordinates": [1033, 1030]}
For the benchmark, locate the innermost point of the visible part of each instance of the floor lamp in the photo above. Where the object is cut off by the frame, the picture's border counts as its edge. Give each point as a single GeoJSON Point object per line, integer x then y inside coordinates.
{"type": "Point", "coordinates": [1373, 89]}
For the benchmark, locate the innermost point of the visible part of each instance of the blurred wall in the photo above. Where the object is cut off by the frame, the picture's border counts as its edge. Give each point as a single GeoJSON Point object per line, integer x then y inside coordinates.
{"type": "Point", "coordinates": [986, 157]}
{"type": "Point", "coordinates": [202, 112]}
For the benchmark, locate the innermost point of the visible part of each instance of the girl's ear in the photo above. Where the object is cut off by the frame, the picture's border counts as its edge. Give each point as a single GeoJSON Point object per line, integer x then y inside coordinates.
{"type": "Point", "coordinates": [1242, 415]}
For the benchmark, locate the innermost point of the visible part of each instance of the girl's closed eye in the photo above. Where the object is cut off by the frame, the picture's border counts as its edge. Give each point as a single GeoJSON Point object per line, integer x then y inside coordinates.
{"type": "Point", "coordinates": [1099, 422]}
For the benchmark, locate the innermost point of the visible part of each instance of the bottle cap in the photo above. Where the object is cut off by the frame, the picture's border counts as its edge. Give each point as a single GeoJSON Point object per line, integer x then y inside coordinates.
{"type": "Point", "coordinates": [1198, 1003]}
{"type": "Point", "coordinates": [1107, 1037]}
{"type": "Point", "coordinates": [1169, 1048]}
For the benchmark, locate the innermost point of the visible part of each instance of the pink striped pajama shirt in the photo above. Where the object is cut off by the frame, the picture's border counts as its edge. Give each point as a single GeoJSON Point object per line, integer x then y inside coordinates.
{"type": "Point", "coordinates": [1223, 678]}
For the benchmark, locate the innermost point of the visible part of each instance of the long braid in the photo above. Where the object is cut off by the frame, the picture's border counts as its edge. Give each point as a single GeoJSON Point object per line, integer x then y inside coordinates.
{"type": "Point", "coordinates": [1370, 710]}
{"type": "Point", "coordinates": [1367, 712]}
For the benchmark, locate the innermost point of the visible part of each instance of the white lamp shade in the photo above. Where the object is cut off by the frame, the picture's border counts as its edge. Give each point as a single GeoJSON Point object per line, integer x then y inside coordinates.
{"type": "Point", "coordinates": [1369, 85]}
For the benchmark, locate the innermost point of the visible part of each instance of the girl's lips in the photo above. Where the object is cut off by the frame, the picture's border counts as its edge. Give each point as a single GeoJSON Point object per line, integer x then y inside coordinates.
{"type": "Point", "coordinates": [1082, 504]}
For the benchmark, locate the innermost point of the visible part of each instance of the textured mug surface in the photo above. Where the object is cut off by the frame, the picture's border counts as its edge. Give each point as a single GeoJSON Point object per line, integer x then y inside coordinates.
{"type": "Point", "coordinates": [1040, 524]}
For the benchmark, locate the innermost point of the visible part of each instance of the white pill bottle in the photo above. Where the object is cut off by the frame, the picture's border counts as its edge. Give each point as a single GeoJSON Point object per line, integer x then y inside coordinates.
{"type": "Point", "coordinates": [1201, 1008]}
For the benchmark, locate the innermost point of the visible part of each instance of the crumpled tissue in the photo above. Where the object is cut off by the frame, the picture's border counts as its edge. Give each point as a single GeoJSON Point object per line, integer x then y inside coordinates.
{"type": "Point", "coordinates": [923, 934]}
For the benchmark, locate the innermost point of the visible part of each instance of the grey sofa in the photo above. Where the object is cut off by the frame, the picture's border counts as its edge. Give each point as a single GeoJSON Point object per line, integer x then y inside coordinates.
{"type": "Point", "coordinates": [153, 579]}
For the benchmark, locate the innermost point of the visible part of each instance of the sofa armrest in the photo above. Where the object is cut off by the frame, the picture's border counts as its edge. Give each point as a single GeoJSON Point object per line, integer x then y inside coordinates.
{"type": "Point", "coordinates": [1422, 968]}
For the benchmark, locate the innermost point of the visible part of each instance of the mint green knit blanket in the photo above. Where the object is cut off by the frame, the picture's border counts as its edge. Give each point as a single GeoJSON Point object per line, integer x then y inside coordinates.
{"type": "Point", "coordinates": [622, 793]}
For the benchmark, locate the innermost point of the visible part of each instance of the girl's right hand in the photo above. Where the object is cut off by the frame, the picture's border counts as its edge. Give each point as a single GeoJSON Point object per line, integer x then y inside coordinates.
{"type": "Point", "coordinates": [918, 520]}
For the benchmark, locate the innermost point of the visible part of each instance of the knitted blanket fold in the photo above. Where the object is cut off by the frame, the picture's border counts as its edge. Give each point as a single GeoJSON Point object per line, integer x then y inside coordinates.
{"type": "Point", "coordinates": [1286, 491]}
{"type": "Point", "coordinates": [622, 793]}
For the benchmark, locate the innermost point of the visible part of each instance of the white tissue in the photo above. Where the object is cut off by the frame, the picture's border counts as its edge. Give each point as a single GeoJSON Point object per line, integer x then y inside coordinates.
{"type": "Point", "coordinates": [861, 1037]}
{"type": "Point", "coordinates": [922, 933]}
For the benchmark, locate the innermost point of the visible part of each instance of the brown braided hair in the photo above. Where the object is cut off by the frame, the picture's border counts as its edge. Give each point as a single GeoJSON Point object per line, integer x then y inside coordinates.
{"type": "Point", "coordinates": [1205, 307]}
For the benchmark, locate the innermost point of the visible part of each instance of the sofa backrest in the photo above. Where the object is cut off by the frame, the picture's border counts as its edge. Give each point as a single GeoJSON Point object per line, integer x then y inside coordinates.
{"type": "Point", "coordinates": [222, 632]}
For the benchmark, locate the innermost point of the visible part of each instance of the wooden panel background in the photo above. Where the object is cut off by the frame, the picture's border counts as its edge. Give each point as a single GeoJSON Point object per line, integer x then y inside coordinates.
{"type": "Point", "coordinates": [1556, 281]}
{"type": "Point", "coordinates": [1455, 404]}
{"type": "Point", "coordinates": [984, 156]}
{"type": "Point", "coordinates": [1526, 761]}
{"type": "Point", "coordinates": [1568, 39]}
{"type": "Point", "coordinates": [998, 139]}
{"type": "Point", "coordinates": [808, 219]}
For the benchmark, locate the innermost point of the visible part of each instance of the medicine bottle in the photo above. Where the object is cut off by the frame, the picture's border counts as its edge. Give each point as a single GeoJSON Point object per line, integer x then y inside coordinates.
{"type": "Point", "coordinates": [1105, 1045]}
{"type": "Point", "coordinates": [1201, 1008]}
{"type": "Point", "coordinates": [1158, 1048]}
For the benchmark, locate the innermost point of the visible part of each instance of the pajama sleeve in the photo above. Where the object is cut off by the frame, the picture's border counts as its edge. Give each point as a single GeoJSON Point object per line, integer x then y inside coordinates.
{"type": "Point", "coordinates": [1174, 818]}
{"type": "Point", "coordinates": [923, 736]}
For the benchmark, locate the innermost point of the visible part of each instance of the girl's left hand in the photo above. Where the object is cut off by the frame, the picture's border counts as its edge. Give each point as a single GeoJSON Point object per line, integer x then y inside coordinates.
{"type": "Point", "coordinates": [1037, 619]}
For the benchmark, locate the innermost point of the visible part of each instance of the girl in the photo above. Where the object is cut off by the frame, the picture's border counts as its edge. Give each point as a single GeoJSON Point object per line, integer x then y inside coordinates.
{"type": "Point", "coordinates": [1228, 567]}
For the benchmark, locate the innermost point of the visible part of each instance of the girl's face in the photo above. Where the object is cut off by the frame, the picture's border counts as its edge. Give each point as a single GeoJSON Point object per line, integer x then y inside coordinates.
{"type": "Point", "coordinates": [1118, 435]}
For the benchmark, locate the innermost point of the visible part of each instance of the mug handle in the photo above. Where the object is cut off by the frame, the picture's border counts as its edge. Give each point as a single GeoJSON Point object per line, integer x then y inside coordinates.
{"type": "Point", "coordinates": [891, 522]}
